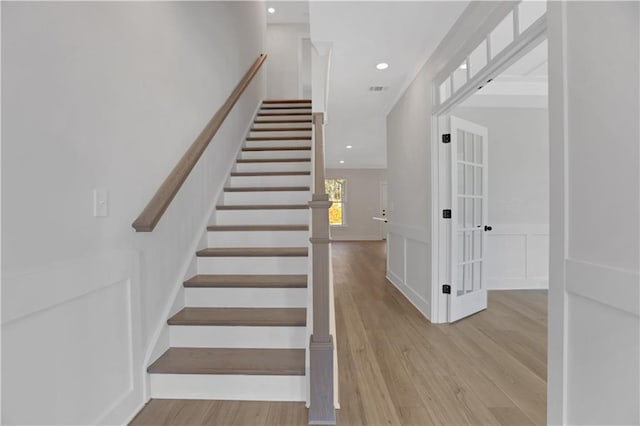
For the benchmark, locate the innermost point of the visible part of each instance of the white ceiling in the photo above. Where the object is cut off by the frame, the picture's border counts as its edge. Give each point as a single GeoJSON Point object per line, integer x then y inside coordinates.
{"type": "Point", "coordinates": [288, 12]}
{"type": "Point", "coordinates": [363, 34]}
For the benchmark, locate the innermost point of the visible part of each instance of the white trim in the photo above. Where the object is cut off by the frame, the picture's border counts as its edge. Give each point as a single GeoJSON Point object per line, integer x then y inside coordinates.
{"type": "Point", "coordinates": [609, 286]}
{"type": "Point", "coordinates": [414, 298]}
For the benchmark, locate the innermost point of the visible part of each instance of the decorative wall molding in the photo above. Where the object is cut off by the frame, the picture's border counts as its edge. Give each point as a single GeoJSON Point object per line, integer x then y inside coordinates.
{"type": "Point", "coordinates": [68, 327]}
{"type": "Point", "coordinates": [609, 286]}
{"type": "Point", "coordinates": [408, 265]}
{"type": "Point", "coordinates": [517, 256]}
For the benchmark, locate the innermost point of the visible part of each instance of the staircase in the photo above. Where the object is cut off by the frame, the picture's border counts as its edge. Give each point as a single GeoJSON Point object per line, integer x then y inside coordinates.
{"type": "Point", "coordinates": [242, 334]}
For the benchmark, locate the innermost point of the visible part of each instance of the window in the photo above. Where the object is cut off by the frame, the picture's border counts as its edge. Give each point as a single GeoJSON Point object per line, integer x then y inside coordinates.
{"type": "Point", "coordinates": [336, 190]}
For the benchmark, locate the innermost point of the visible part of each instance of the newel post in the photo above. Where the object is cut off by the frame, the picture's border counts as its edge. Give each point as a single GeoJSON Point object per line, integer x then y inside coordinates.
{"type": "Point", "coordinates": [321, 408]}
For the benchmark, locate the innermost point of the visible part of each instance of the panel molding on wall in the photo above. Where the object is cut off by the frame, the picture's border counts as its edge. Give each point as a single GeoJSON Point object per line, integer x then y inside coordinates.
{"type": "Point", "coordinates": [518, 257]}
{"type": "Point", "coordinates": [72, 342]}
{"type": "Point", "coordinates": [408, 265]}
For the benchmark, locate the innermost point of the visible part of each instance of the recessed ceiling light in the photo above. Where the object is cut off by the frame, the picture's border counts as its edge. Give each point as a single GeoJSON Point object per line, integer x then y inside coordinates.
{"type": "Point", "coordinates": [341, 161]}
{"type": "Point", "coordinates": [382, 66]}
{"type": "Point", "coordinates": [271, 10]}
{"type": "Point", "coordinates": [349, 146]}
{"type": "Point", "coordinates": [463, 66]}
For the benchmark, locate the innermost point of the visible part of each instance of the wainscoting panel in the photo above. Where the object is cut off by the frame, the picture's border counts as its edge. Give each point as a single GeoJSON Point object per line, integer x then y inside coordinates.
{"type": "Point", "coordinates": [517, 257]}
{"type": "Point", "coordinates": [73, 356]}
{"type": "Point", "coordinates": [408, 265]}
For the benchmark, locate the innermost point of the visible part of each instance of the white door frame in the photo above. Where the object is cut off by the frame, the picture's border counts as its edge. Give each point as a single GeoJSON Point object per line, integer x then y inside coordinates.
{"type": "Point", "coordinates": [440, 160]}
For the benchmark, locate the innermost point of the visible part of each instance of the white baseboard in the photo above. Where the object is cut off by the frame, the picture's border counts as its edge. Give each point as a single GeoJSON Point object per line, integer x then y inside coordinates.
{"type": "Point", "coordinates": [517, 284]}
{"type": "Point", "coordinates": [414, 298]}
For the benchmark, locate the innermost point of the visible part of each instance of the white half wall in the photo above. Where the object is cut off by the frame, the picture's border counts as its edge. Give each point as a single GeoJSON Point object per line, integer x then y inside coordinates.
{"type": "Point", "coordinates": [363, 203]}
{"type": "Point", "coordinates": [107, 95]}
{"type": "Point", "coordinates": [282, 45]}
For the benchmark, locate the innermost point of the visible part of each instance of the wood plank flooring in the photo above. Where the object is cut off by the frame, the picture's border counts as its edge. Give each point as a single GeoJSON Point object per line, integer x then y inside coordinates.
{"type": "Point", "coordinates": [398, 369]}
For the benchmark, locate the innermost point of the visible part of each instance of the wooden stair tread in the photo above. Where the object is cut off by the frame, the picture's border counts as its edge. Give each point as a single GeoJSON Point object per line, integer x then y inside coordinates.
{"type": "Point", "coordinates": [266, 188]}
{"type": "Point", "coordinates": [286, 101]}
{"type": "Point", "coordinates": [263, 207]}
{"type": "Point", "coordinates": [269, 114]}
{"type": "Point", "coordinates": [253, 252]}
{"type": "Point", "coordinates": [247, 281]}
{"type": "Point", "coordinates": [271, 107]}
{"type": "Point", "coordinates": [248, 317]}
{"type": "Point", "coordinates": [257, 228]}
{"type": "Point", "coordinates": [277, 148]}
{"type": "Point", "coordinates": [281, 129]}
{"type": "Point", "coordinates": [295, 173]}
{"type": "Point", "coordinates": [279, 138]}
{"type": "Point", "coordinates": [304, 120]}
{"type": "Point", "coordinates": [273, 160]}
{"type": "Point", "coordinates": [287, 362]}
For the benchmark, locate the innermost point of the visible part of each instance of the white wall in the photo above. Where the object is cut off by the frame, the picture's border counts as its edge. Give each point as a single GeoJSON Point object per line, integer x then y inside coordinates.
{"type": "Point", "coordinates": [518, 194]}
{"type": "Point", "coordinates": [594, 289]}
{"type": "Point", "coordinates": [363, 202]}
{"type": "Point", "coordinates": [282, 65]}
{"type": "Point", "coordinates": [106, 95]}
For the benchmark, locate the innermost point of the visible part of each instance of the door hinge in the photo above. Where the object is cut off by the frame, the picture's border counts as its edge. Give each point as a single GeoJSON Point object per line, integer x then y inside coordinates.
{"type": "Point", "coordinates": [446, 214]}
{"type": "Point", "coordinates": [446, 138]}
{"type": "Point", "coordinates": [446, 289]}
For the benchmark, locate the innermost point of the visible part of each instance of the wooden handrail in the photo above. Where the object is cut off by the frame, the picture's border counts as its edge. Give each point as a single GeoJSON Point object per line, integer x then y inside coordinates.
{"type": "Point", "coordinates": [154, 210]}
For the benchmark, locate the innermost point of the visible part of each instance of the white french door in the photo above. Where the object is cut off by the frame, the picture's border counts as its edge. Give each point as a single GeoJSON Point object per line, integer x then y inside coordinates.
{"type": "Point", "coordinates": [468, 218]}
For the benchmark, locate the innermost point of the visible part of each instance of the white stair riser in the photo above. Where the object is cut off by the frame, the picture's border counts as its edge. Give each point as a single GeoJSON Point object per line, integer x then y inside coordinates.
{"type": "Point", "coordinates": [261, 217]}
{"type": "Point", "coordinates": [275, 167]}
{"type": "Point", "coordinates": [271, 144]}
{"type": "Point", "coordinates": [252, 265]}
{"type": "Point", "coordinates": [249, 155]}
{"type": "Point", "coordinates": [245, 181]}
{"type": "Point", "coordinates": [283, 117]}
{"type": "Point", "coordinates": [202, 336]}
{"type": "Point", "coordinates": [228, 387]}
{"type": "Point", "coordinates": [257, 238]}
{"type": "Point", "coordinates": [282, 133]}
{"type": "Point", "coordinates": [267, 197]}
{"type": "Point", "coordinates": [225, 297]}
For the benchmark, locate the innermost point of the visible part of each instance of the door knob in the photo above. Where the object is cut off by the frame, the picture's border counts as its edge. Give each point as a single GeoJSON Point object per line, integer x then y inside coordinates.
{"type": "Point", "coordinates": [487, 228]}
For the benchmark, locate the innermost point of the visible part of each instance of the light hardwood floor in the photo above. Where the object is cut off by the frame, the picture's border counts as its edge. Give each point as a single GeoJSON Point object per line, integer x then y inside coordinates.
{"type": "Point", "coordinates": [398, 369]}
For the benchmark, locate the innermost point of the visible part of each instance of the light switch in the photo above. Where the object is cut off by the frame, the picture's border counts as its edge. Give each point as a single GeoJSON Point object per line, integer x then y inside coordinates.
{"type": "Point", "coordinates": [100, 202]}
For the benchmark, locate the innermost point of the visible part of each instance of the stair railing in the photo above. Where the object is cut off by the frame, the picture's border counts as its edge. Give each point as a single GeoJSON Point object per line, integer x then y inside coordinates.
{"type": "Point", "coordinates": [321, 345]}
{"type": "Point", "coordinates": [150, 216]}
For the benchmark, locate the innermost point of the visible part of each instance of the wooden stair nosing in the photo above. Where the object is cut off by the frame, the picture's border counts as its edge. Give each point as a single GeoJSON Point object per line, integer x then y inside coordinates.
{"type": "Point", "coordinates": [262, 207]}
{"type": "Point", "coordinates": [284, 173]}
{"type": "Point", "coordinates": [246, 281]}
{"type": "Point", "coordinates": [257, 228]}
{"type": "Point", "coordinates": [253, 252]}
{"type": "Point", "coordinates": [240, 317]}
{"type": "Point", "coordinates": [279, 138]}
{"type": "Point", "coordinates": [267, 189]}
{"type": "Point", "coordinates": [279, 362]}
{"type": "Point", "coordinates": [286, 101]}
{"type": "Point", "coordinates": [276, 148]}
{"type": "Point", "coordinates": [281, 129]}
{"type": "Point", "coordinates": [273, 160]}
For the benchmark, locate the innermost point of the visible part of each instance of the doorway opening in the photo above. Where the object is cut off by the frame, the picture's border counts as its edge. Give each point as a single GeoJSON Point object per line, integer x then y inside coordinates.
{"type": "Point", "coordinates": [491, 173]}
